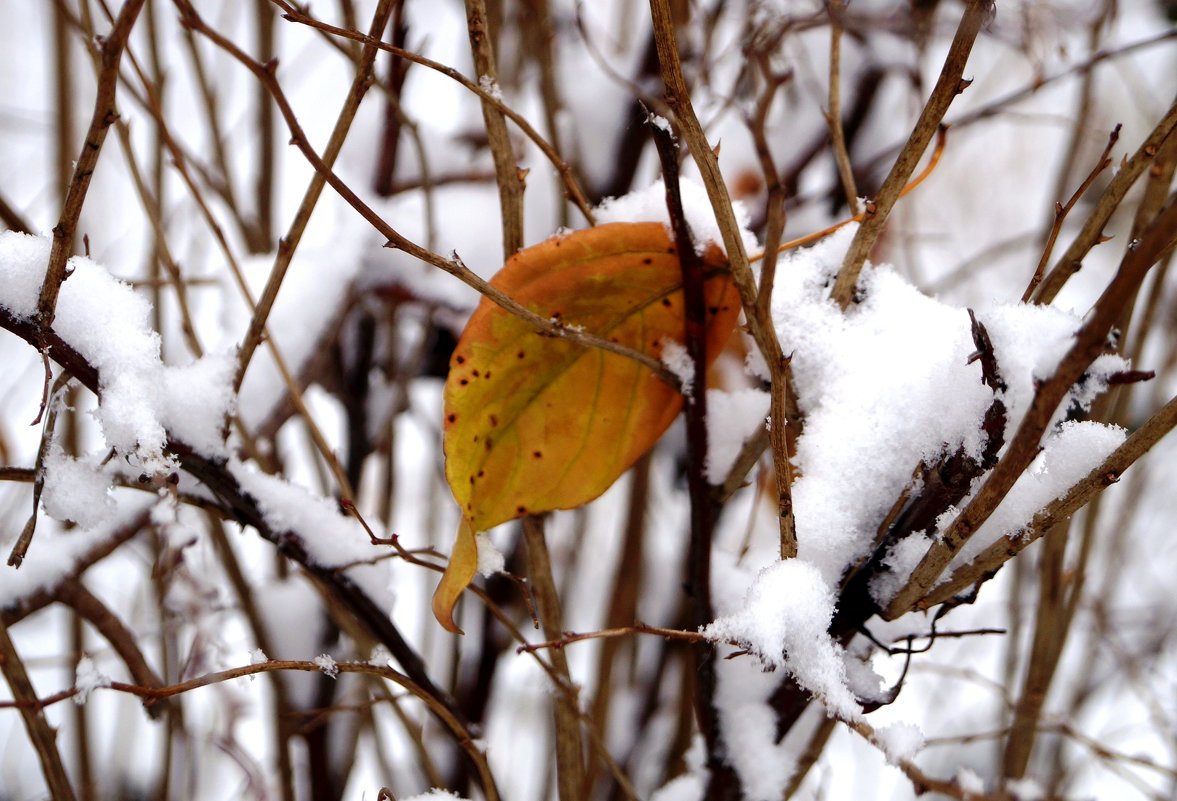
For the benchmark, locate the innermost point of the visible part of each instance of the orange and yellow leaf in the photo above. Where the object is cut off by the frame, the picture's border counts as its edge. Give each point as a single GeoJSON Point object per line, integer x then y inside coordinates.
{"type": "Point", "coordinates": [535, 423]}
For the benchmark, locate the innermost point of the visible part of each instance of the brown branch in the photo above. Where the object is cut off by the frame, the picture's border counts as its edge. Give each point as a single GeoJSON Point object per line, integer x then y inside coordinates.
{"type": "Point", "coordinates": [12, 218]}
{"type": "Point", "coordinates": [678, 98]}
{"type": "Point", "coordinates": [40, 733]}
{"type": "Point", "coordinates": [105, 113]}
{"type": "Point", "coordinates": [1107, 473]}
{"type": "Point", "coordinates": [74, 594]}
{"type": "Point", "coordinates": [948, 86]}
{"type": "Point", "coordinates": [1023, 448]}
{"type": "Point", "coordinates": [264, 181]}
{"type": "Point", "coordinates": [1092, 232]}
{"type": "Point", "coordinates": [289, 243]}
{"type": "Point", "coordinates": [510, 180]}
{"type": "Point", "coordinates": [569, 746]}
{"type": "Point", "coordinates": [1061, 211]}
{"type": "Point", "coordinates": [454, 265]}
{"type": "Point", "coordinates": [570, 184]}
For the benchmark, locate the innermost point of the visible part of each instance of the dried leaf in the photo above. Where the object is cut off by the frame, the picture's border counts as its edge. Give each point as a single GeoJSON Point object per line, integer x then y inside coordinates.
{"type": "Point", "coordinates": [535, 423]}
{"type": "Point", "coordinates": [457, 577]}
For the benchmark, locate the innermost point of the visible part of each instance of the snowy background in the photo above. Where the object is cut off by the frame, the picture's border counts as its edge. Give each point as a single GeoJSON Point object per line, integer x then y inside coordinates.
{"type": "Point", "coordinates": [134, 554]}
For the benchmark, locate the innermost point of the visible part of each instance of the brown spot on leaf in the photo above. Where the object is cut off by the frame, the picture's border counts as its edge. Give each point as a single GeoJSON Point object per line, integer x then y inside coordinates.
{"type": "Point", "coordinates": [476, 374]}
{"type": "Point", "coordinates": [452, 418]}
{"type": "Point", "coordinates": [520, 355]}
{"type": "Point", "coordinates": [537, 454]}
{"type": "Point", "coordinates": [463, 381]}
{"type": "Point", "coordinates": [521, 510]}
{"type": "Point", "coordinates": [460, 360]}
{"type": "Point", "coordinates": [494, 421]}
{"type": "Point", "coordinates": [666, 302]}
{"type": "Point", "coordinates": [647, 260]}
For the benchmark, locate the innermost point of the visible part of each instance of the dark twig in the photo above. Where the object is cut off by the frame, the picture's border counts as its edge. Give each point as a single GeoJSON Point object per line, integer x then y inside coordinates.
{"type": "Point", "coordinates": [510, 180]}
{"type": "Point", "coordinates": [12, 218]}
{"type": "Point", "coordinates": [1092, 232]}
{"type": "Point", "coordinates": [569, 743]}
{"type": "Point", "coordinates": [289, 243]}
{"type": "Point", "coordinates": [105, 114]}
{"type": "Point", "coordinates": [40, 733]}
{"type": "Point", "coordinates": [948, 86]}
{"type": "Point", "coordinates": [21, 547]}
{"type": "Point", "coordinates": [453, 265]}
{"type": "Point", "coordinates": [1061, 211]}
{"type": "Point", "coordinates": [702, 514]}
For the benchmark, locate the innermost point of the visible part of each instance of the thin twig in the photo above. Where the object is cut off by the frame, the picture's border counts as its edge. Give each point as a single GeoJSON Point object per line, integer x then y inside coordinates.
{"type": "Point", "coordinates": [834, 114]}
{"type": "Point", "coordinates": [289, 243]}
{"type": "Point", "coordinates": [570, 184]}
{"type": "Point", "coordinates": [571, 637]}
{"type": "Point", "coordinates": [453, 265]}
{"type": "Point", "coordinates": [41, 735]}
{"type": "Point", "coordinates": [1061, 211]}
{"type": "Point", "coordinates": [1092, 232]}
{"type": "Point", "coordinates": [948, 86]}
{"type": "Point", "coordinates": [510, 180]}
{"type": "Point", "coordinates": [105, 113]}
{"type": "Point", "coordinates": [569, 746]}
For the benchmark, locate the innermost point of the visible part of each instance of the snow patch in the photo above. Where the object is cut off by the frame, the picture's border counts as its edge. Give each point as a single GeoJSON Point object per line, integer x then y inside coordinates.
{"type": "Point", "coordinates": [732, 419]}
{"type": "Point", "coordinates": [490, 558]}
{"type": "Point", "coordinates": [89, 679]}
{"type": "Point", "coordinates": [784, 621]}
{"type": "Point", "coordinates": [649, 205]}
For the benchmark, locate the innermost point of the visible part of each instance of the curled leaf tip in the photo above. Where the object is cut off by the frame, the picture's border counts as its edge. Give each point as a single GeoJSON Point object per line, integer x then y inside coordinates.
{"type": "Point", "coordinates": [457, 577]}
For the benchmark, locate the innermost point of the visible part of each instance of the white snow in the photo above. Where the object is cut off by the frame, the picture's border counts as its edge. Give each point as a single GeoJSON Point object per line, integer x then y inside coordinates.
{"type": "Point", "coordinates": [110, 326]}
{"type": "Point", "coordinates": [900, 741]}
{"type": "Point", "coordinates": [888, 385]}
{"type": "Point", "coordinates": [1025, 789]}
{"type": "Point", "coordinates": [89, 679]}
{"type": "Point", "coordinates": [676, 359]}
{"type": "Point", "coordinates": [490, 558]}
{"type": "Point", "coordinates": [969, 782]}
{"type": "Point", "coordinates": [649, 205]}
{"type": "Point", "coordinates": [327, 664]}
{"type": "Point", "coordinates": [76, 489]}
{"type": "Point", "coordinates": [490, 86]}
{"type": "Point", "coordinates": [732, 418]}
{"type": "Point", "coordinates": [380, 656]}
{"type": "Point", "coordinates": [784, 619]}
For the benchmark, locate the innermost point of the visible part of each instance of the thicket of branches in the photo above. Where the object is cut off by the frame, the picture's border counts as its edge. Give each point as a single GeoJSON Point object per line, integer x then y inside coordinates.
{"type": "Point", "coordinates": [216, 155]}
